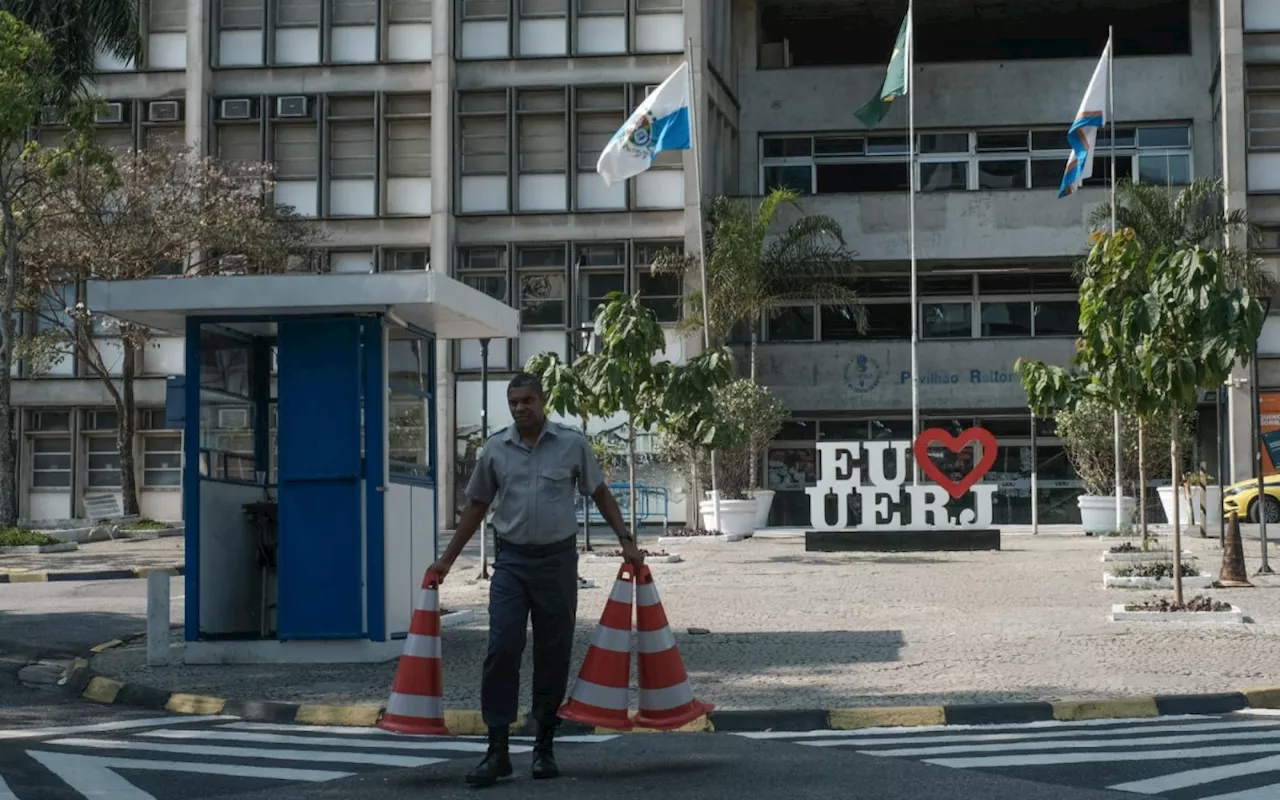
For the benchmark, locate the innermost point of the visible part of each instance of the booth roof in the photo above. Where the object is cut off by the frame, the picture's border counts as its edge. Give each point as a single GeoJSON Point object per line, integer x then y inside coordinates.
{"type": "Point", "coordinates": [428, 300]}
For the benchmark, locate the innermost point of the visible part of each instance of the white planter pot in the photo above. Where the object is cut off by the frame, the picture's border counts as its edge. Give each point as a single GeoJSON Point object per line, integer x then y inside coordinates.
{"type": "Point", "coordinates": [1132, 582]}
{"type": "Point", "coordinates": [1233, 617]}
{"type": "Point", "coordinates": [1212, 504]}
{"type": "Point", "coordinates": [737, 517]}
{"type": "Point", "coordinates": [1098, 514]}
{"type": "Point", "coordinates": [1151, 556]}
{"type": "Point", "coordinates": [1189, 507]}
{"type": "Point", "coordinates": [764, 502]}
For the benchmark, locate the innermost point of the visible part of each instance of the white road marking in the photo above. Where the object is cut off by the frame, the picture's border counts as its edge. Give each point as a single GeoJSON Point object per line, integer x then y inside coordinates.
{"type": "Point", "coordinates": [1050, 724]}
{"type": "Point", "coordinates": [1199, 777]}
{"type": "Point", "coordinates": [1064, 744]}
{"type": "Point", "coordinates": [1261, 793]}
{"type": "Point", "coordinates": [1092, 758]}
{"type": "Point", "coordinates": [97, 727]}
{"type": "Point", "coordinates": [275, 738]}
{"type": "Point", "coordinates": [372, 733]}
{"type": "Point", "coordinates": [92, 776]}
{"type": "Point", "coordinates": [1043, 734]}
{"type": "Point", "coordinates": [251, 753]}
{"type": "Point", "coordinates": [1260, 712]}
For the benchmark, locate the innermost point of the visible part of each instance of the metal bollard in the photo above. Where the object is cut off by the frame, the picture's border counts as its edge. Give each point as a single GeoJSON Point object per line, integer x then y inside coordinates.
{"type": "Point", "coordinates": [158, 619]}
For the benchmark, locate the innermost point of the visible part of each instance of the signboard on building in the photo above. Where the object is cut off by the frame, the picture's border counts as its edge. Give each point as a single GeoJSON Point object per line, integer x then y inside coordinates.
{"type": "Point", "coordinates": [1269, 430]}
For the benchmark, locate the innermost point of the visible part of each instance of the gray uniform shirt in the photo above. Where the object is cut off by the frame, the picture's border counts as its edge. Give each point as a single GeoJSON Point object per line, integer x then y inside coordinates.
{"type": "Point", "coordinates": [530, 489]}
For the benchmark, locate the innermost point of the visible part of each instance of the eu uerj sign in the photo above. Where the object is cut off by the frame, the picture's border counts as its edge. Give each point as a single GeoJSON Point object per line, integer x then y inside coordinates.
{"type": "Point", "coordinates": [894, 511]}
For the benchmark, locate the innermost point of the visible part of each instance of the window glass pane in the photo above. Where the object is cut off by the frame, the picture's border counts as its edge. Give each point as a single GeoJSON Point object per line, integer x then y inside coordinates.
{"type": "Point", "coordinates": [354, 12]}
{"type": "Point", "coordinates": [661, 294]}
{"type": "Point", "coordinates": [1050, 140]}
{"type": "Point", "coordinates": [409, 148]}
{"type": "Point", "coordinates": [493, 285]}
{"type": "Point", "coordinates": [945, 176]}
{"type": "Point", "coordinates": [1172, 170]}
{"type": "Point", "coordinates": [241, 13]}
{"type": "Point", "coordinates": [484, 145]}
{"type": "Point", "coordinates": [946, 284]}
{"type": "Point", "coordinates": [1125, 137]}
{"type": "Point", "coordinates": [1004, 284]}
{"type": "Point", "coordinates": [298, 12]}
{"type": "Point", "coordinates": [1006, 318]}
{"type": "Point", "coordinates": [1057, 318]}
{"type": "Point", "coordinates": [241, 143]}
{"type": "Point", "coordinates": [1047, 173]}
{"type": "Point", "coordinates": [884, 321]}
{"type": "Point", "coordinates": [351, 150]}
{"type": "Point", "coordinates": [596, 286]}
{"type": "Point", "coordinates": [409, 11]}
{"type": "Point", "coordinates": [594, 132]}
{"type": "Point", "coordinates": [853, 178]}
{"type": "Point", "coordinates": [542, 299]}
{"type": "Point", "coordinates": [1002, 142]}
{"type": "Point", "coordinates": [1170, 136]}
{"type": "Point", "coordinates": [1102, 170]}
{"type": "Point", "coordinates": [1002, 174]}
{"type": "Point", "coordinates": [944, 143]}
{"type": "Point", "coordinates": [797, 178]}
{"type": "Point", "coordinates": [887, 145]}
{"type": "Point", "coordinates": [406, 363]}
{"type": "Point", "coordinates": [946, 320]}
{"type": "Point", "coordinates": [543, 142]}
{"type": "Point", "coordinates": [407, 433]}
{"type": "Point", "coordinates": [297, 153]}
{"type": "Point", "coordinates": [791, 324]}
{"type": "Point", "coordinates": [793, 147]}
{"type": "Point", "coordinates": [839, 146]}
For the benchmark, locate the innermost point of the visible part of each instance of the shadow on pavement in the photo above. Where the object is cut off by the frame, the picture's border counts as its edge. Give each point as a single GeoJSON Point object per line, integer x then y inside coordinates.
{"type": "Point", "coordinates": [63, 634]}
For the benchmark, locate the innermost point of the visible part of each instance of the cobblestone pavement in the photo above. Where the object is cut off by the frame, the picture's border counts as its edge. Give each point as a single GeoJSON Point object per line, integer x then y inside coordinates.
{"type": "Point", "coordinates": [94, 556]}
{"type": "Point", "coordinates": [790, 629]}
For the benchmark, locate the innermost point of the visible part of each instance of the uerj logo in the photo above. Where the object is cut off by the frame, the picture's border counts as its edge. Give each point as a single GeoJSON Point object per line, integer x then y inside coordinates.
{"type": "Point", "coordinates": [888, 495]}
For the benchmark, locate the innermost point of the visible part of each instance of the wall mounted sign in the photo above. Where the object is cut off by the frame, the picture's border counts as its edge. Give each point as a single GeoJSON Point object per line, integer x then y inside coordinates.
{"type": "Point", "coordinates": [889, 498]}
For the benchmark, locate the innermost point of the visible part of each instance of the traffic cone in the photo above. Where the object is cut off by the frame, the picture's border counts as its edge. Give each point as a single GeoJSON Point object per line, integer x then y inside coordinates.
{"type": "Point", "coordinates": [666, 699]}
{"type": "Point", "coordinates": [1234, 573]}
{"type": "Point", "coordinates": [601, 694]}
{"type": "Point", "coordinates": [416, 705]}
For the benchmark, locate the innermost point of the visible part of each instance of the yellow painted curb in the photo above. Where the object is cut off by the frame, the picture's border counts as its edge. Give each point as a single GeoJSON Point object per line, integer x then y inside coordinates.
{"type": "Point", "coordinates": [143, 572]}
{"type": "Point", "coordinates": [28, 577]}
{"type": "Point", "coordinates": [1078, 710]}
{"type": "Point", "coordinates": [105, 646]}
{"type": "Point", "coordinates": [1263, 698]}
{"type": "Point", "coordinates": [700, 725]}
{"type": "Point", "coordinates": [847, 719]}
{"type": "Point", "coordinates": [354, 716]}
{"type": "Point", "coordinates": [195, 704]}
{"type": "Point", "coordinates": [76, 664]}
{"type": "Point", "coordinates": [102, 690]}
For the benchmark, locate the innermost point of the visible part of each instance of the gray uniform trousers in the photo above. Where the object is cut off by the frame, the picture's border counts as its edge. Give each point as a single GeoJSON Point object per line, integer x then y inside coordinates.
{"type": "Point", "coordinates": [539, 581]}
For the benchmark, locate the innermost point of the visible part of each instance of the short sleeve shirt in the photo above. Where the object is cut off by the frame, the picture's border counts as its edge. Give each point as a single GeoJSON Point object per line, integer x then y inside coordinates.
{"type": "Point", "coordinates": [531, 489]}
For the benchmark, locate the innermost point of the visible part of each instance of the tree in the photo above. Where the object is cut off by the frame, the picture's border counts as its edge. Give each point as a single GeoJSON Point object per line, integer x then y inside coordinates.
{"type": "Point", "coordinates": [755, 416]}
{"type": "Point", "coordinates": [754, 270]}
{"type": "Point", "coordinates": [627, 377]}
{"type": "Point", "coordinates": [144, 214]}
{"type": "Point", "coordinates": [76, 30]}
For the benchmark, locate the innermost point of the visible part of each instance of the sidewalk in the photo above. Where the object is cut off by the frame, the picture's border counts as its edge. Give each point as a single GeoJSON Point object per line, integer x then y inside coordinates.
{"type": "Point", "coordinates": [123, 558]}
{"type": "Point", "coordinates": [796, 630]}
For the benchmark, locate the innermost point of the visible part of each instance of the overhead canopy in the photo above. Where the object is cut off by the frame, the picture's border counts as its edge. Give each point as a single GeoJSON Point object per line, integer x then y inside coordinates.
{"type": "Point", "coordinates": [428, 300]}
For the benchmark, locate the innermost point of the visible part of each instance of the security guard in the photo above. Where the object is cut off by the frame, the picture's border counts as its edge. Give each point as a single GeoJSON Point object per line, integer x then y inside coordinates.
{"type": "Point", "coordinates": [528, 472]}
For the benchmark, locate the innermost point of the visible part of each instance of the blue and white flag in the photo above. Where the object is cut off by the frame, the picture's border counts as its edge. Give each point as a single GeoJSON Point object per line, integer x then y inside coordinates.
{"type": "Point", "coordinates": [660, 123]}
{"type": "Point", "coordinates": [1084, 131]}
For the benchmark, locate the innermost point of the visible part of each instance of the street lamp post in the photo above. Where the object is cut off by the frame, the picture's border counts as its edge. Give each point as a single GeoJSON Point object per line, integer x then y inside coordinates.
{"type": "Point", "coordinates": [1265, 566]}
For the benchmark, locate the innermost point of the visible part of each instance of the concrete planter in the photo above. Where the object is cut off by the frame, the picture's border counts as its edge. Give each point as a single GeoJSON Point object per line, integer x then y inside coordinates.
{"type": "Point", "coordinates": [1135, 582]}
{"type": "Point", "coordinates": [1098, 514]}
{"type": "Point", "coordinates": [1233, 617]}
{"type": "Point", "coordinates": [455, 618]}
{"type": "Point", "coordinates": [682, 539]}
{"type": "Point", "coordinates": [764, 502]}
{"type": "Point", "coordinates": [1189, 507]}
{"type": "Point", "coordinates": [158, 533]}
{"type": "Point", "coordinates": [737, 518]}
{"type": "Point", "coordinates": [1149, 557]}
{"type": "Point", "coordinates": [673, 558]}
{"type": "Point", "coordinates": [62, 547]}
{"type": "Point", "coordinates": [78, 535]}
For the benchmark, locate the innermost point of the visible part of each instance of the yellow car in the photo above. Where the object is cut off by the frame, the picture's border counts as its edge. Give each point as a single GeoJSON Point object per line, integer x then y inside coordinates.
{"type": "Point", "coordinates": [1242, 498]}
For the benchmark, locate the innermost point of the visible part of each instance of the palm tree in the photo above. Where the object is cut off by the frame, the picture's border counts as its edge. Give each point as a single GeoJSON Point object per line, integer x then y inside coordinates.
{"type": "Point", "coordinates": [77, 29]}
{"type": "Point", "coordinates": [1192, 217]}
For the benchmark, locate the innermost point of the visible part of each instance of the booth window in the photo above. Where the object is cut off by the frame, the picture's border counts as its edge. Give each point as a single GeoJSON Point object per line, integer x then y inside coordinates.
{"type": "Point", "coordinates": [410, 380]}
{"type": "Point", "coordinates": [226, 408]}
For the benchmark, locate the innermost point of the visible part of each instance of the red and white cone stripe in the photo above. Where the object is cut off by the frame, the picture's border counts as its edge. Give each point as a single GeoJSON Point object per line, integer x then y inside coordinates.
{"type": "Point", "coordinates": [416, 704]}
{"type": "Point", "coordinates": [601, 695]}
{"type": "Point", "coordinates": [666, 698]}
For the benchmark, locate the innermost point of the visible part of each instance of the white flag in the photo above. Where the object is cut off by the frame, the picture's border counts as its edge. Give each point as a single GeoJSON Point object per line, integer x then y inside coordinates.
{"type": "Point", "coordinates": [1084, 131]}
{"type": "Point", "coordinates": [660, 123]}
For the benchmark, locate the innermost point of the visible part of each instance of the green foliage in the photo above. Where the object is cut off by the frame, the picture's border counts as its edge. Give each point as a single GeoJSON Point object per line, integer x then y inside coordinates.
{"type": "Point", "coordinates": [148, 525]}
{"type": "Point", "coordinates": [21, 537]}
{"type": "Point", "coordinates": [755, 416]}
{"type": "Point", "coordinates": [26, 80]}
{"type": "Point", "coordinates": [75, 30]}
{"type": "Point", "coordinates": [1088, 434]}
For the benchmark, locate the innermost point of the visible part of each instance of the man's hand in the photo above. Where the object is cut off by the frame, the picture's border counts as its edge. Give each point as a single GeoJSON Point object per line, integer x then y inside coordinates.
{"type": "Point", "coordinates": [631, 554]}
{"type": "Point", "coordinates": [441, 568]}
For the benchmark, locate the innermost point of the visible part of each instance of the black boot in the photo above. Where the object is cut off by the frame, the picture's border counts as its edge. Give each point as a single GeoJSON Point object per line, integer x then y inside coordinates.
{"type": "Point", "coordinates": [497, 762]}
{"type": "Point", "coordinates": [544, 757]}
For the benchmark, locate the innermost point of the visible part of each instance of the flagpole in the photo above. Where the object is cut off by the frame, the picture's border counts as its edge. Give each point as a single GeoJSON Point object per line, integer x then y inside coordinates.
{"type": "Point", "coordinates": [1111, 120]}
{"type": "Point", "coordinates": [695, 150]}
{"type": "Point", "coordinates": [911, 224]}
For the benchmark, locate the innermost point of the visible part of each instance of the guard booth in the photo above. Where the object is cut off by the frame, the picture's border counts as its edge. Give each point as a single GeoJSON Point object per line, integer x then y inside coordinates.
{"type": "Point", "coordinates": [309, 446]}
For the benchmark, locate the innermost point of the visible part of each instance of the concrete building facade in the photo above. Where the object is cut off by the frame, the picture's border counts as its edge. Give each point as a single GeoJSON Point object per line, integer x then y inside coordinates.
{"type": "Point", "coordinates": [462, 135]}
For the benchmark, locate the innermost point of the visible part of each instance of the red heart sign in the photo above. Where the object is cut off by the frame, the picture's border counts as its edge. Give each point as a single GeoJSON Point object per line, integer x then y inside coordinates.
{"type": "Point", "coordinates": [955, 444]}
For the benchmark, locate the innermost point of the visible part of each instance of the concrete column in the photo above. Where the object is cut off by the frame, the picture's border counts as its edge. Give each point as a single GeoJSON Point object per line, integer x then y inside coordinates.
{"type": "Point", "coordinates": [1235, 175]}
{"type": "Point", "coordinates": [442, 240]}
{"type": "Point", "coordinates": [199, 75]}
{"type": "Point", "coordinates": [158, 613]}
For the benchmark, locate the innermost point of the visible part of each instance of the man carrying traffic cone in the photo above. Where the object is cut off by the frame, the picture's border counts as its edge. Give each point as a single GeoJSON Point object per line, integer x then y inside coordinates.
{"type": "Point", "coordinates": [527, 472]}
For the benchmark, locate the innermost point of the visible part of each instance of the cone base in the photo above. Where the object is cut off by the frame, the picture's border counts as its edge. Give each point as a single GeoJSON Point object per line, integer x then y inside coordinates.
{"type": "Point", "coordinates": [594, 716]}
{"type": "Point", "coordinates": [413, 727]}
{"type": "Point", "coordinates": [677, 718]}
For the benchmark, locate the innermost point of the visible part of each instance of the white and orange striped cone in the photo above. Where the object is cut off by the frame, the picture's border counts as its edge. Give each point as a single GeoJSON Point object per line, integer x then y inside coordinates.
{"type": "Point", "coordinates": [601, 694]}
{"type": "Point", "coordinates": [666, 698]}
{"type": "Point", "coordinates": [416, 705]}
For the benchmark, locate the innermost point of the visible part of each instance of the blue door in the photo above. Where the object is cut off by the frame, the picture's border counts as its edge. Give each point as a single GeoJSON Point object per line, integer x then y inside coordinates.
{"type": "Point", "coordinates": [320, 594]}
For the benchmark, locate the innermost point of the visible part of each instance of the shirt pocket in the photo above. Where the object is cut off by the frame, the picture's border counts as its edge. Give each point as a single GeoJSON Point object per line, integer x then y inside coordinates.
{"type": "Point", "coordinates": [555, 485]}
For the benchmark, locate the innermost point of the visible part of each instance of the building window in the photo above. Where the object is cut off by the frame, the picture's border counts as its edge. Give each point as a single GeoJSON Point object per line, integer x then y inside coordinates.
{"type": "Point", "coordinates": [543, 138]}
{"type": "Point", "coordinates": [353, 12]}
{"type": "Point", "coordinates": [408, 11]}
{"type": "Point", "coordinates": [967, 160]}
{"type": "Point", "coordinates": [485, 269]}
{"type": "Point", "coordinates": [352, 148]}
{"type": "Point", "coordinates": [541, 272]}
{"type": "Point", "coordinates": [483, 130]}
{"type": "Point", "coordinates": [667, 159]}
{"type": "Point", "coordinates": [161, 461]}
{"type": "Point", "coordinates": [534, 9]}
{"type": "Point", "coordinates": [49, 434]}
{"type": "Point", "coordinates": [296, 151]}
{"type": "Point", "coordinates": [102, 467]}
{"type": "Point", "coordinates": [599, 115]}
{"type": "Point", "coordinates": [406, 260]}
{"type": "Point", "coordinates": [661, 294]}
{"type": "Point", "coordinates": [408, 126]}
{"type": "Point", "coordinates": [473, 10]}
{"type": "Point", "coordinates": [297, 13]}
{"type": "Point", "coordinates": [240, 14]}
{"type": "Point", "coordinates": [239, 144]}
{"type": "Point", "coordinates": [167, 16]}
{"type": "Point", "coordinates": [601, 269]}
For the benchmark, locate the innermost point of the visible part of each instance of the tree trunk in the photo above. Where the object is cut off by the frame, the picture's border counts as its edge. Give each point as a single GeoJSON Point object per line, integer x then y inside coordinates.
{"type": "Point", "coordinates": [1177, 522]}
{"type": "Point", "coordinates": [126, 411]}
{"type": "Point", "coordinates": [1142, 479]}
{"type": "Point", "coordinates": [586, 505]}
{"type": "Point", "coordinates": [631, 475]}
{"type": "Point", "coordinates": [695, 475]}
{"type": "Point", "coordinates": [8, 339]}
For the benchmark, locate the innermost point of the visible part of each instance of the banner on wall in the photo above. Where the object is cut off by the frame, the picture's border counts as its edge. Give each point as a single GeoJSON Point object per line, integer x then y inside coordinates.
{"type": "Point", "coordinates": [1269, 429]}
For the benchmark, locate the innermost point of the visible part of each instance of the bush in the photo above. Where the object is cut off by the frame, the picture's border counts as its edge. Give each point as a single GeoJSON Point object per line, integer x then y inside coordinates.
{"type": "Point", "coordinates": [147, 525]}
{"type": "Point", "coordinates": [21, 537]}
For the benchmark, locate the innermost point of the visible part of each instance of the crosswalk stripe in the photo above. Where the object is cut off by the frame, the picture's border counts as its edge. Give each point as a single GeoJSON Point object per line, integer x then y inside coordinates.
{"type": "Point", "coordinates": [1041, 734]}
{"type": "Point", "coordinates": [99, 727]}
{"type": "Point", "coordinates": [254, 753]}
{"type": "Point", "coordinates": [5, 792]}
{"type": "Point", "coordinates": [1046, 759]}
{"type": "Point", "coordinates": [1020, 726]}
{"type": "Point", "coordinates": [1071, 744]}
{"type": "Point", "coordinates": [343, 730]}
{"type": "Point", "coordinates": [69, 767]}
{"type": "Point", "coordinates": [320, 741]}
{"type": "Point", "coordinates": [1199, 777]}
{"type": "Point", "coordinates": [1260, 793]}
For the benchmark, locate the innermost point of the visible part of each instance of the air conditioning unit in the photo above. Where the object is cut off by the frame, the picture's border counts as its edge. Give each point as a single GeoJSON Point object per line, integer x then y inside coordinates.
{"type": "Point", "coordinates": [240, 108]}
{"type": "Point", "coordinates": [51, 115]}
{"type": "Point", "coordinates": [164, 111]}
{"type": "Point", "coordinates": [293, 106]}
{"type": "Point", "coordinates": [113, 113]}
